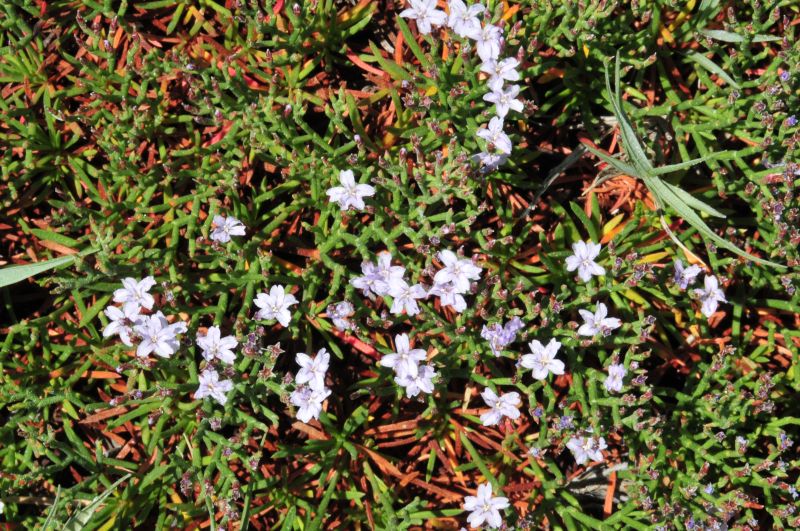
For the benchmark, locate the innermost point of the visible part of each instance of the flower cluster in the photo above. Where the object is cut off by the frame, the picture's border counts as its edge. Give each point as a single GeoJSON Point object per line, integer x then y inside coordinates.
{"type": "Point", "coordinates": [311, 391]}
{"type": "Point", "coordinates": [153, 332]}
{"type": "Point", "coordinates": [405, 362]}
{"type": "Point", "coordinates": [499, 337]}
{"type": "Point", "coordinates": [488, 42]}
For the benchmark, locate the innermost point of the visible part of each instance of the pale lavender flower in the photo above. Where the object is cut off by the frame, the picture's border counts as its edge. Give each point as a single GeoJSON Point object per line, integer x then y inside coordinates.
{"type": "Point", "coordinates": [506, 405]}
{"type": "Point", "coordinates": [211, 385]}
{"type": "Point", "coordinates": [275, 305]}
{"type": "Point", "coordinates": [542, 359]}
{"type": "Point", "coordinates": [134, 294]}
{"type": "Point", "coordinates": [500, 71]}
{"type": "Point", "coordinates": [387, 272]}
{"type": "Point", "coordinates": [685, 275]}
{"type": "Point", "coordinates": [340, 313]}
{"type": "Point", "coordinates": [488, 42]}
{"type": "Point", "coordinates": [504, 100]}
{"type": "Point", "coordinates": [493, 134]}
{"type": "Point", "coordinates": [350, 194]}
{"type": "Point", "coordinates": [616, 374]}
{"type": "Point", "coordinates": [463, 20]}
{"type": "Point", "coordinates": [121, 322]}
{"type": "Point", "coordinates": [489, 162]}
{"type": "Point", "coordinates": [421, 382]}
{"type": "Point", "coordinates": [456, 270]}
{"type": "Point", "coordinates": [499, 336]}
{"type": "Point", "coordinates": [405, 360]}
{"type": "Point", "coordinates": [587, 448]}
{"type": "Point", "coordinates": [582, 259]}
{"type": "Point", "coordinates": [449, 296]}
{"type": "Point", "coordinates": [597, 322]}
{"type": "Point", "coordinates": [224, 228]}
{"type": "Point", "coordinates": [425, 13]}
{"type": "Point", "coordinates": [309, 402]}
{"type": "Point", "coordinates": [404, 297]}
{"type": "Point", "coordinates": [372, 280]}
{"type": "Point", "coordinates": [312, 370]}
{"type": "Point", "coordinates": [710, 296]}
{"type": "Point", "coordinates": [214, 345]}
{"type": "Point", "coordinates": [158, 336]}
{"type": "Point", "coordinates": [485, 508]}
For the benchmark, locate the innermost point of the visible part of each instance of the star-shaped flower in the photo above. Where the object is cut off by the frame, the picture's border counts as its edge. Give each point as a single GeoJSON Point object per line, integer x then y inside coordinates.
{"type": "Point", "coordinates": [405, 360]}
{"type": "Point", "coordinates": [121, 322]}
{"type": "Point", "coordinates": [457, 270]}
{"type": "Point", "coordinates": [464, 20]}
{"type": "Point", "coordinates": [616, 374]}
{"type": "Point", "coordinates": [504, 100]}
{"type": "Point", "coordinates": [312, 370]}
{"type": "Point", "coordinates": [211, 385]}
{"type": "Point", "coordinates": [542, 359]}
{"type": "Point", "coordinates": [597, 322]}
{"type": "Point", "coordinates": [404, 297]}
{"type": "Point", "coordinates": [372, 281]}
{"type": "Point", "coordinates": [488, 42]}
{"type": "Point", "coordinates": [500, 71]}
{"type": "Point", "coordinates": [224, 228]}
{"type": "Point", "coordinates": [134, 294]}
{"type": "Point", "coordinates": [309, 402]}
{"type": "Point", "coordinates": [710, 296]}
{"type": "Point", "coordinates": [587, 448]}
{"type": "Point", "coordinates": [275, 305]}
{"type": "Point", "coordinates": [485, 508]}
{"type": "Point", "coordinates": [493, 134]}
{"type": "Point", "coordinates": [685, 275]}
{"type": "Point", "coordinates": [425, 13]}
{"type": "Point", "coordinates": [421, 382]}
{"type": "Point", "coordinates": [449, 296]}
{"type": "Point", "coordinates": [506, 405]}
{"type": "Point", "coordinates": [158, 336]}
{"type": "Point", "coordinates": [582, 259]}
{"type": "Point", "coordinates": [350, 194]}
{"type": "Point", "coordinates": [214, 346]}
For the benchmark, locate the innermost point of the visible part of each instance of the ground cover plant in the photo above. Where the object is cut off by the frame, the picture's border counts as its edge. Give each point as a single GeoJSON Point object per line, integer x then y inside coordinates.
{"type": "Point", "coordinates": [399, 265]}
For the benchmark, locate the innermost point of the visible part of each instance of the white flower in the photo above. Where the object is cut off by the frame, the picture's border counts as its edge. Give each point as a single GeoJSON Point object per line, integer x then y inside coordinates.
{"type": "Point", "coordinates": [134, 295]}
{"type": "Point", "coordinates": [542, 360]}
{"type": "Point", "coordinates": [312, 370]}
{"type": "Point", "coordinates": [309, 402]}
{"type": "Point", "coordinates": [387, 272]}
{"type": "Point", "coordinates": [372, 281]}
{"type": "Point", "coordinates": [506, 405]}
{"type": "Point", "coordinates": [216, 346]}
{"type": "Point", "coordinates": [484, 507]}
{"type": "Point", "coordinates": [122, 322]}
{"type": "Point", "coordinates": [487, 42]}
{"type": "Point", "coordinates": [500, 71]}
{"type": "Point", "coordinates": [456, 270]}
{"type": "Point", "coordinates": [587, 448]}
{"type": "Point", "coordinates": [494, 135]}
{"type": "Point", "coordinates": [504, 100]}
{"type": "Point", "coordinates": [711, 295]}
{"type": "Point", "coordinates": [275, 305]}
{"type": "Point", "coordinates": [582, 259]}
{"type": "Point", "coordinates": [350, 194]}
{"type": "Point", "coordinates": [158, 336]}
{"type": "Point", "coordinates": [464, 20]}
{"type": "Point", "coordinates": [211, 385]}
{"type": "Point", "coordinates": [405, 360]}
{"type": "Point", "coordinates": [685, 276]}
{"type": "Point", "coordinates": [449, 296]}
{"type": "Point", "coordinates": [597, 322]}
{"type": "Point", "coordinates": [422, 381]}
{"type": "Point", "coordinates": [425, 13]}
{"type": "Point", "coordinates": [489, 161]}
{"type": "Point", "coordinates": [616, 373]}
{"type": "Point", "coordinates": [404, 297]}
{"type": "Point", "coordinates": [224, 228]}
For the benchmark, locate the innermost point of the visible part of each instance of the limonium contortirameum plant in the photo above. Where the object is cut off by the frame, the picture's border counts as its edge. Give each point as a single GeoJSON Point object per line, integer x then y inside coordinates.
{"type": "Point", "coordinates": [412, 264]}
